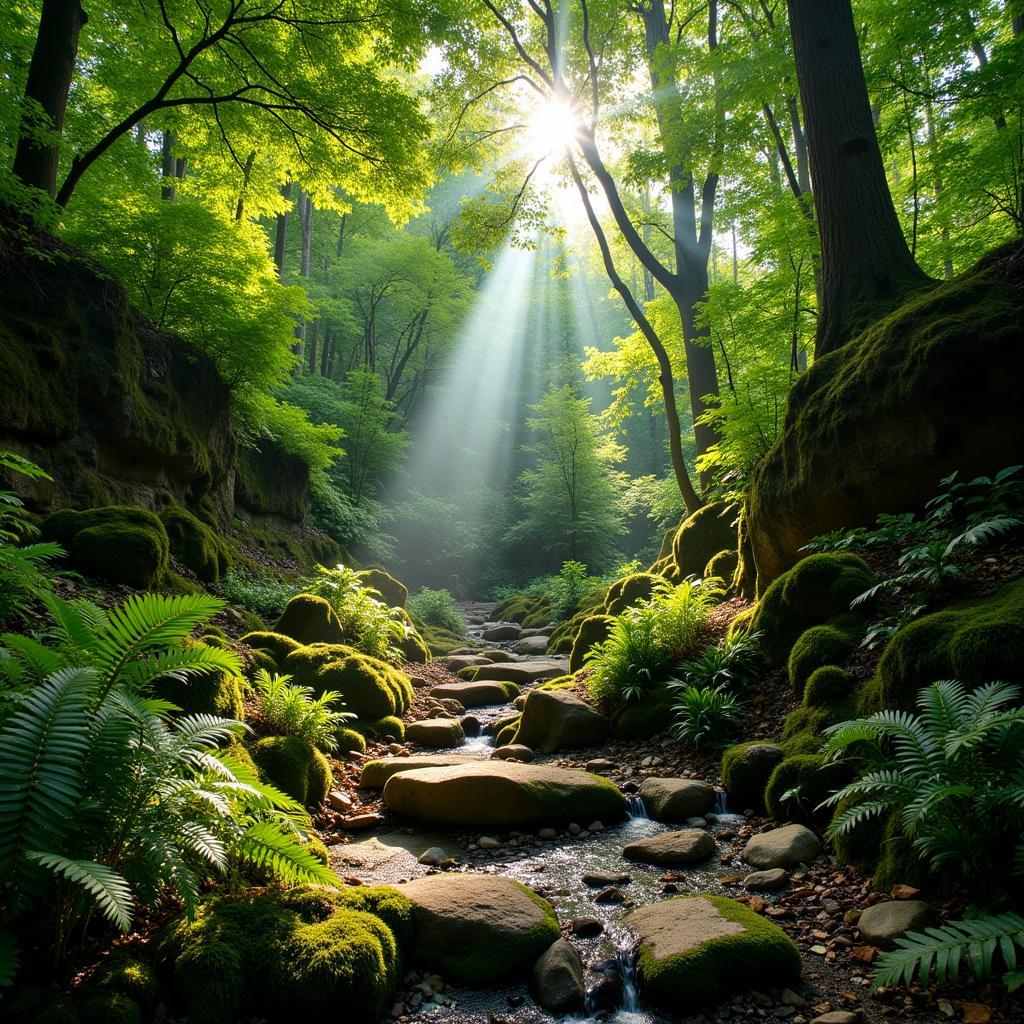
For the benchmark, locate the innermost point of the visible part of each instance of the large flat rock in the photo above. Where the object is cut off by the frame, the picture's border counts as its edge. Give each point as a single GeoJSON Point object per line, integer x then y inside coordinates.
{"type": "Point", "coordinates": [527, 671]}
{"type": "Point", "coordinates": [376, 773]}
{"type": "Point", "coordinates": [476, 694]}
{"type": "Point", "coordinates": [687, 846]}
{"type": "Point", "coordinates": [454, 662]}
{"type": "Point", "coordinates": [502, 794]}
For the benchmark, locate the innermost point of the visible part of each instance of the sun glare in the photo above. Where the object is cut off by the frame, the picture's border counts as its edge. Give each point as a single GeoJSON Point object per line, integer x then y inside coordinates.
{"type": "Point", "coordinates": [551, 128]}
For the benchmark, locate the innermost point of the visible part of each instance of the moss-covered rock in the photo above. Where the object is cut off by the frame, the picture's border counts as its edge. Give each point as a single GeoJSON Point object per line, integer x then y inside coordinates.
{"type": "Point", "coordinates": [195, 544]}
{"type": "Point", "coordinates": [644, 719]}
{"type": "Point", "coordinates": [381, 728]}
{"type": "Point", "coordinates": [294, 766]}
{"type": "Point", "coordinates": [897, 863]}
{"type": "Point", "coordinates": [722, 567]}
{"type": "Point", "coordinates": [369, 687]}
{"type": "Point", "coordinates": [564, 634]}
{"type": "Point", "coordinates": [695, 951]}
{"type": "Point", "coordinates": [828, 685]}
{"type": "Point", "coordinates": [527, 609]}
{"type": "Point", "coordinates": [307, 951]}
{"type": "Point", "coordinates": [975, 642]}
{"type": "Point", "coordinates": [131, 977]}
{"type": "Point", "coordinates": [349, 740]}
{"type": "Point", "coordinates": [701, 536]}
{"type": "Point", "coordinates": [212, 693]}
{"type": "Point", "coordinates": [629, 591]}
{"type": "Point", "coordinates": [393, 593]}
{"type": "Point", "coordinates": [815, 648]}
{"type": "Point", "coordinates": [505, 731]}
{"type": "Point", "coordinates": [277, 645]}
{"type": "Point", "coordinates": [413, 647]}
{"type": "Point", "coordinates": [309, 619]}
{"type": "Point", "coordinates": [870, 427]}
{"type": "Point", "coordinates": [118, 543]}
{"type": "Point", "coordinates": [746, 769]}
{"type": "Point", "coordinates": [816, 591]}
{"type": "Point", "coordinates": [592, 631]}
{"type": "Point", "coordinates": [799, 784]}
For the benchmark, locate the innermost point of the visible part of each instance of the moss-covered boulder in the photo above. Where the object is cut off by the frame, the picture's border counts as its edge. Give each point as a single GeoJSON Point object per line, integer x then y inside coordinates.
{"type": "Point", "coordinates": [294, 766]}
{"type": "Point", "coordinates": [815, 648]}
{"type": "Point", "coordinates": [976, 642]}
{"type": "Point", "coordinates": [309, 619]}
{"type": "Point", "coordinates": [413, 647]}
{"type": "Point", "coordinates": [212, 693]}
{"type": "Point", "coordinates": [388, 729]}
{"type": "Point", "coordinates": [816, 591]}
{"type": "Point", "coordinates": [307, 951]}
{"type": "Point", "coordinates": [377, 772]}
{"type": "Point", "coordinates": [799, 784]}
{"type": "Point", "coordinates": [592, 630]}
{"type": "Point", "coordinates": [746, 769]}
{"type": "Point", "coordinates": [870, 428]}
{"type": "Point", "coordinates": [558, 720]}
{"type": "Point", "coordinates": [701, 536]}
{"type": "Point", "coordinates": [370, 688]}
{"type": "Point", "coordinates": [629, 591]}
{"type": "Point", "coordinates": [827, 686]}
{"type": "Point", "coordinates": [722, 566]}
{"type": "Point", "coordinates": [476, 929]}
{"type": "Point", "coordinates": [527, 609]}
{"type": "Point", "coordinates": [645, 718]}
{"type": "Point", "coordinates": [503, 794]}
{"type": "Point", "coordinates": [118, 543]}
{"type": "Point", "coordinates": [195, 544]}
{"type": "Point", "coordinates": [277, 645]}
{"type": "Point", "coordinates": [695, 951]}
{"type": "Point", "coordinates": [392, 592]}
{"type": "Point", "coordinates": [564, 634]}
{"type": "Point", "coordinates": [349, 740]}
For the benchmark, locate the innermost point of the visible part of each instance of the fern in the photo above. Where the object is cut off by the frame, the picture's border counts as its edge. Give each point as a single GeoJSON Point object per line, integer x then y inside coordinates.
{"type": "Point", "coordinates": [10, 957]}
{"type": "Point", "coordinates": [110, 893]}
{"type": "Point", "coordinates": [266, 845]}
{"type": "Point", "coordinates": [288, 710]}
{"type": "Point", "coordinates": [977, 940]}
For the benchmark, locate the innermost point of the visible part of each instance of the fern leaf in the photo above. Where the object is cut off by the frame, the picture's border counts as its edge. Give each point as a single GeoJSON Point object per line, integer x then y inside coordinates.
{"type": "Point", "coordinates": [10, 957]}
{"type": "Point", "coordinates": [108, 890]}
{"type": "Point", "coordinates": [266, 845]}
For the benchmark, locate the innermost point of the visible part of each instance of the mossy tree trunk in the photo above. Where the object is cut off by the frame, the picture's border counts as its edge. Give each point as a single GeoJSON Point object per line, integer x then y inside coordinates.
{"type": "Point", "coordinates": [49, 81]}
{"type": "Point", "coordinates": [866, 266]}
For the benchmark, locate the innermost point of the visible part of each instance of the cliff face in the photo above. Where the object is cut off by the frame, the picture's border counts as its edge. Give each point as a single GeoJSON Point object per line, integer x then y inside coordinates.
{"type": "Point", "coordinates": [115, 410]}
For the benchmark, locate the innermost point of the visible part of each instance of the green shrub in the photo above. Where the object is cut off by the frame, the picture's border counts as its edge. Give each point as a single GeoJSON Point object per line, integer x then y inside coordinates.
{"type": "Point", "coordinates": [815, 648]}
{"type": "Point", "coordinates": [827, 685]}
{"type": "Point", "coordinates": [392, 592]}
{"type": "Point", "coordinates": [294, 766]}
{"type": "Point", "coordinates": [799, 784]}
{"type": "Point", "coordinates": [255, 590]}
{"type": "Point", "coordinates": [287, 710]}
{"type": "Point", "coordinates": [195, 544]}
{"type": "Point", "coordinates": [746, 769]}
{"type": "Point", "coordinates": [703, 716]}
{"type": "Point", "coordinates": [437, 607]}
{"type": "Point", "coordinates": [735, 663]}
{"type": "Point", "coordinates": [109, 1008]}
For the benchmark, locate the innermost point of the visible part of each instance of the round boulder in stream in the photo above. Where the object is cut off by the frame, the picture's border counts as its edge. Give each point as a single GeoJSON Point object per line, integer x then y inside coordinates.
{"type": "Point", "coordinates": [556, 719]}
{"type": "Point", "coordinates": [688, 846]}
{"type": "Point", "coordinates": [478, 929]}
{"type": "Point", "coordinates": [477, 695]}
{"type": "Point", "coordinates": [676, 800]}
{"type": "Point", "coordinates": [695, 951]}
{"type": "Point", "coordinates": [503, 795]}
{"type": "Point", "coordinates": [436, 733]}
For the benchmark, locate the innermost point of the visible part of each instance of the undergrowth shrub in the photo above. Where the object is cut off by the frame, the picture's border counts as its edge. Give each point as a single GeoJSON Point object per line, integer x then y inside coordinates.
{"type": "Point", "coordinates": [258, 591]}
{"type": "Point", "coordinates": [735, 663]}
{"type": "Point", "coordinates": [289, 710]}
{"type": "Point", "coordinates": [705, 716]}
{"type": "Point", "coordinates": [437, 608]}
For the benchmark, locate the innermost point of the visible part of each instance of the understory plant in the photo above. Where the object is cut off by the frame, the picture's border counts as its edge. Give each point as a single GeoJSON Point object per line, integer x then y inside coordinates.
{"type": "Point", "coordinates": [954, 775]}
{"type": "Point", "coordinates": [289, 710]}
{"type": "Point", "coordinates": [437, 608]}
{"type": "Point", "coordinates": [734, 663]}
{"type": "Point", "coordinates": [705, 716]}
{"type": "Point", "coordinates": [112, 800]}
{"type": "Point", "coordinates": [260, 592]}
{"type": "Point", "coordinates": [373, 627]}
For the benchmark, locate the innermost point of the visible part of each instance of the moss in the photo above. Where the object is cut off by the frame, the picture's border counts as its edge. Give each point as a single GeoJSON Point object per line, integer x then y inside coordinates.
{"type": "Point", "coordinates": [645, 719]}
{"type": "Point", "coordinates": [528, 610]}
{"type": "Point", "coordinates": [746, 769]}
{"type": "Point", "coordinates": [349, 740]}
{"type": "Point", "coordinates": [558, 683]}
{"type": "Point", "coordinates": [506, 734]}
{"type": "Point", "coordinates": [413, 647]}
{"type": "Point", "coordinates": [194, 544]}
{"type": "Point", "coordinates": [816, 647]}
{"type": "Point", "coordinates": [629, 591]}
{"type": "Point", "coordinates": [213, 693]}
{"type": "Point", "coordinates": [810, 780]}
{"type": "Point", "coordinates": [307, 951]}
{"type": "Point", "coordinates": [277, 645]}
{"type": "Point", "coordinates": [564, 634]}
{"type": "Point", "coordinates": [369, 687]}
{"type": "Point", "coordinates": [898, 864]}
{"type": "Point", "coordinates": [310, 620]}
{"type": "Point", "coordinates": [295, 766]}
{"type": "Point", "coordinates": [804, 720]}
{"type": "Point", "coordinates": [761, 957]}
{"type": "Point", "coordinates": [128, 976]}
{"type": "Point", "coordinates": [110, 1008]}
{"type": "Point", "coordinates": [319, 850]}
{"type": "Point", "coordinates": [393, 593]}
{"type": "Point", "coordinates": [861, 846]}
{"type": "Point", "coordinates": [118, 543]}
{"type": "Point", "coordinates": [439, 641]}
{"type": "Point", "coordinates": [722, 566]}
{"type": "Point", "coordinates": [816, 591]}
{"type": "Point", "coordinates": [701, 536]}
{"type": "Point", "coordinates": [827, 685]}
{"type": "Point", "coordinates": [975, 642]}
{"type": "Point", "coordinates": [381, 728]}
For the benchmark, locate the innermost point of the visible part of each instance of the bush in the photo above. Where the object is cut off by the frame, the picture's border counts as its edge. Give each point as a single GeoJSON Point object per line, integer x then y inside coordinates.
{"type": "Point", "coordinates": [287, 710]}
{"type": "Point", "coordinates": [735, 663]}
{"type": "Point", "coordinates": [254, 589]}
{"type": "Point", "coordinates": [437, 607]}
{"type": "Point", "coordinates": [294, 766]}
{"type": "Point", "coordinates": [194, 544]}
{"type": "Point", "coordinates": [704, 716]}
{"type": "Point", "coordinates": [817, 647]}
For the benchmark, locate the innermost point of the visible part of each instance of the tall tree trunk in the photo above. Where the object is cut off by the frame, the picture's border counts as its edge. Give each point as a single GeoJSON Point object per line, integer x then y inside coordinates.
{"type": "Point", "coordinates": [49, 81]}
{"type": "Point", "coordinates": [305, 260]}
{"type": "Point", "coordinates": [281, 232]}
{"type": "Point", "coordinates": [246, 176]}
{"type": "Point", "coordinates": [168, 166]}
{"type": "Point", "coordinates": [866, 266]}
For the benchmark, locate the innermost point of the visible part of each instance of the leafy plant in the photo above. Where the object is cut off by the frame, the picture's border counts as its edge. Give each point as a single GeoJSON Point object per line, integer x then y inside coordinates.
{"type": "Point", "coordinates": [568, 588]}
{"type": "Point", "coordinates": [288, 710]}
{"type": "Point", "coordinates": [734, 664]}
{"type": "Point", "coordinates": [258, 591]}
{"type": "Point", "coordinates": [437, 608]}
{"type": "Point", "coordinates": [681, 612]}
{"type": "Point", "coordinates": [704, 715]}
{"type": "Point", "coordinates": [375, 628]}
{"type": "Point", "coordinates": [626, 665]}
{"type": "Point", "coordinates": [954, 774]}
{"type": "Point", "coordinates": [978, 940]}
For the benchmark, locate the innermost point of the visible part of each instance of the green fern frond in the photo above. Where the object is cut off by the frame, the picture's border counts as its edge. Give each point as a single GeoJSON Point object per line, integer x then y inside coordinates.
{"type": "Point", "coordinates": [40, 660]}
{"type": "Point", "coordinates": [74, 622]}
{"type": "Point", "coordinates": [10, 957]}
{"type": "Point", "coordinates": [266, 845]}
{"type": "Point", "coordinates": [109, 890]}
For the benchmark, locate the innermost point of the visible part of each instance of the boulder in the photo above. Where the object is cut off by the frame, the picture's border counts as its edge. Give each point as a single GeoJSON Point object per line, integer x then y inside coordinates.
{"type": "Point", "coordinates": [557, 980]}
{"type": "Point", "coordinates": [520, 671]}
{"type": "Point", "coordinates": [377, 772]}
{"type": "Point", "coordinates": [703, 535]}
{"type": "Point", "coordinates": [477, 695]}
{"type": "Point", "coordinates": [746, 769]}
{"type": "Point", "coordinates": [697, 950]}
{"type": "Point", "coordinates": [436, 732]}
{"type": "Point", "coordinates": [513, 752]}
{"type": "Point", "coordinates": [885, 922]}
{"type": "Point", "coordinates": [502, 794]}
{"type": "Point", "coordinates": [478, 929]}
{"type": "Point", "coordinates": [309, 619]}
{"type": "Point", "coordinates": [675, 800]}
{"type": "Point", "coordinates": [592, 630]}
{"type": "Point", "coordinates": [556, 719]}
{"type": "Point", "coordinates": [874, 425]}
{"type": "Point", "coordinates": [687, 846]}
{"type": "Point", "coordinates": [782, 847]}
{"type": "Point", "coordinates": [531, 645]}
{"type": "Point", "coordinates": [496, 634]}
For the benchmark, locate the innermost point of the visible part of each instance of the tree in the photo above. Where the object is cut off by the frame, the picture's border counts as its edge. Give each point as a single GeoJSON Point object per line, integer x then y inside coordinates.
{"type": "Point", "coordinates": [866, 265]}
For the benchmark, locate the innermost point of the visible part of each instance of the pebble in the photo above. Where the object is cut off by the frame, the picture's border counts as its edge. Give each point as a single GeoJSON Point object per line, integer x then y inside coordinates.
{"type": "Point", "coordinates": [836, 1017]}
{"type": "Point", "coordinates": [769, 880]}
{"type": "Point", "coordinates": [338, 800]}
{"type": "Point", "coordinates": [610, 895]}
{"type": "Point", "coordinates": [596, 826]}
{"type": "Point", "coordinates": [600, 879]}
{"type": "Point", "coordinates": [599, 764]}
{"type": "Point", "coordinates": [575, 829]}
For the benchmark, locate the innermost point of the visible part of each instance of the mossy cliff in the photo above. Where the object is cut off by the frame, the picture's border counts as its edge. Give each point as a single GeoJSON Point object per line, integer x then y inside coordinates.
{"type": "Point", "coordinates": [869, 428]}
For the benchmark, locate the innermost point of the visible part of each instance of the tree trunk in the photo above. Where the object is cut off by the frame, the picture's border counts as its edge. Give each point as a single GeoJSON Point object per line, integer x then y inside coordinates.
{"type": "Point", "coordinates": [281, 233]}
{"type": "Point", "coordinates": [168, 166]}
{"type": "Point", "coordinates": [49, 80]}
{"type": "Point", "coordinates": [305, 259]}
{"type": "Point", "coordinates": [866, 266]}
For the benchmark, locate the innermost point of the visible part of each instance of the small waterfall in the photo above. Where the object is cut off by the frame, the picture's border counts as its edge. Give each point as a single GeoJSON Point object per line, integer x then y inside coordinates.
{"type": "Point", "coordinates": [627, 971]}
{"type": "Point", "coordinates": [636, 806]}
{"type": "Point", "coordinates": [721, 802]}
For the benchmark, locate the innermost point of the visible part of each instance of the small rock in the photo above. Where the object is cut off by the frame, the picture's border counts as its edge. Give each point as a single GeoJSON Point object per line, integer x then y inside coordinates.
{"type": "Point", "coordinates": [361, 822]}
{"type": "Point", "coordinates": [558, 978]}
{"type": "Point", "coordinates": [599, 765]}
{"type": "Point", "coordinates": [790, 998]}
{"type": "Point", "coordinates": [575, 829]}
{"type": "Point", "coordinates": [610, 895]}
{"type": "Point", "coordinates": [885, 922]}
{"type": "Point", "coordinates": [547, 833]}
{"type": "Point", "coordinates": [600, 879]}
{"type": "Point", "coordinates": [783, 847]}
{"type": "Point", "coordinates": [769, 880]}
{"type": "Point", "coordinates": [513, 752]}
{"type": "Point", "coordinates": [696, 822]}
{"type": "Point", "coordinates": [596, 826]}
{"type": "Point", "coordinates": [488, 843]}
{"type": "Point", "coordinates": [340, 801]}
{"type": "Point", "coordinates": [585, 927]}
{"type": "Point", "coordinates": [435, 855]}
{"type": "Point", "coordinates": [836, 1017]}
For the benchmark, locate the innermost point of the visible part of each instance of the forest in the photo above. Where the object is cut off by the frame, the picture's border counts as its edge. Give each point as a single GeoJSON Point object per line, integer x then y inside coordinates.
{"type": "Point", "coordinates": [511, 511]}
